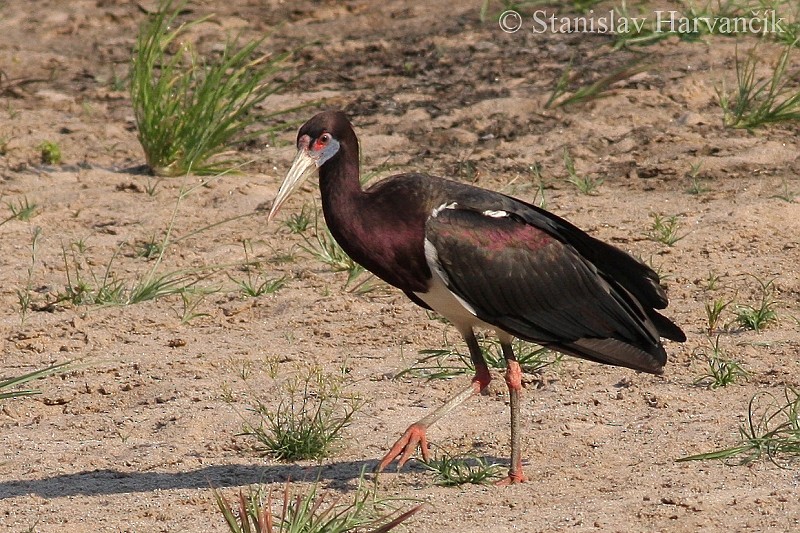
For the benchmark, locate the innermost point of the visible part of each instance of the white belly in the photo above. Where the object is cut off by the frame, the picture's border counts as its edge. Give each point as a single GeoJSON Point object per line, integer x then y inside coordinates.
{"type": "Point", "coordinates": [457, 311]}
{"type": "Point", "coordinates": [442, 300]}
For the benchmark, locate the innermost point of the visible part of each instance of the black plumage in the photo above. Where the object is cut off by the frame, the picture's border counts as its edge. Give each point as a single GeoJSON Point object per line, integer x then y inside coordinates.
{"type": "Point", "coordinates": [484, 259]}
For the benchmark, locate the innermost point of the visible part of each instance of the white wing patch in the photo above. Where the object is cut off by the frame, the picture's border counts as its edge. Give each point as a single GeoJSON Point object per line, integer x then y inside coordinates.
{"type": "Point", "coordinates": [444, 301]}
{"type": "Point", "coordinates": [496, 214]}
{"type": "Point", "coordinates": [432, 257]}
{"type": "Point", "coordinates": [435, 212]}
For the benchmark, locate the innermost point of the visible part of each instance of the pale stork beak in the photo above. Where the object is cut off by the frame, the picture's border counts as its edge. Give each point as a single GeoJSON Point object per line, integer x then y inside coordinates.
{"type": "Point", "coordinates": [302, 166]}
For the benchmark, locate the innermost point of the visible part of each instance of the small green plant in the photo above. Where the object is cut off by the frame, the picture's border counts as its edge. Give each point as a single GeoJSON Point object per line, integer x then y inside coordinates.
{"type": "Point", "coordinates": [791, 32]}
{"type": "Point", "coordinates": [712, 281]}
{"type": "Point", "coordinates": [151, 187]}
{"type": "Point", "coordinates": [657, 267]}
{"type": "Point", "coordinates": [311, 512]}
{"type": "Point", "coordinates": [757, 102]}
{"type": "Point", "coordinates": [116, 82]}
{"type": "Point", "coordinates": [772, 430]}
{"type": "Point", "coordinates": [534, 171]}
{"type": "Point", "coordinates": [189, 109]}
{"type": "Point", "coordinates": [255, 284]}
{"type": "Point", "coordinates": [453, 470]}
{"type": "Point", "coordinates": [191, 298]}
{"type": "Point", "coordinates": [714, 311]}
{"type": "Point", "coordinates": [696, 186]}
{"type": "Point", "coordinates": [149, 249]}
{"type": "Point", "coordinates": [786, 195]}
{"type": "Point", "coordinates": [24, 295]}
{"type": "Point", "coordinates": [80, 290]}
{"type": "Point", "coordinates": [589, 92]}
{"type": "Point", "coordinates": [541, 196]}
{"type": "Point", "coordinates": [325, 249]}
{"type": "Point", "coordinates": [299, 222]}
{"type": "Point", "coordinates": [85, 287]}
{"type": "Point", "coordinates": [664, 229]}
{"type": "Point", "coordinates": [23, 210]}
{"type": "Point", "coordinates": [155, 286]}
{"type": "Point", "coordinates": [720, 371]}
{"type": "Point", "coordinates": [50, 153]}
{"type": "Point", "coordinates": [760, 316]}
{"type": "Point", "coordinates": [449, 362]}
{"type": "Point", "coordinates": [709, 15]}
{"type": "Point", "coordinates": [310, 417]}
{"type": "Point", "coordinates": [584, 184]}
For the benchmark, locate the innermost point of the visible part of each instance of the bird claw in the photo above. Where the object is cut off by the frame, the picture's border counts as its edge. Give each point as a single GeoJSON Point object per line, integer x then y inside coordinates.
{"type": "Point", "coordinates": [405, 447]}
{"type": "Point", "coordinates": [513, 478]}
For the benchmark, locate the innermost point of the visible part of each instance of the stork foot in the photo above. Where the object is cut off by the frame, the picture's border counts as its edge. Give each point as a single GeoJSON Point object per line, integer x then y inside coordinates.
{"type": "Point", "coordinates": [513, 478]}
{"type": "Point", "coordinates": [404, 448]}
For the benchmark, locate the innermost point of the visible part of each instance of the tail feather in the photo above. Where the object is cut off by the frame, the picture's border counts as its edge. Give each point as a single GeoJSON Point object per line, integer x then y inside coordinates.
{"type": "Point", "coordinates": [618, 353]}
{"type": "Point", "coordinates": [666, 327]}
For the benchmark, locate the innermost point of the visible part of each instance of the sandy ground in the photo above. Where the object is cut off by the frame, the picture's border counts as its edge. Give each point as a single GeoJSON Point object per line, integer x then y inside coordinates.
{"type": "Point", "coordinates": [134, 439]}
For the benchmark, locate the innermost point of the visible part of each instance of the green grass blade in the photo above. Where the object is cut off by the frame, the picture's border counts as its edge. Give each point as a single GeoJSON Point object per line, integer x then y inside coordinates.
{"type": "Point", "coordinates": [26, 378]}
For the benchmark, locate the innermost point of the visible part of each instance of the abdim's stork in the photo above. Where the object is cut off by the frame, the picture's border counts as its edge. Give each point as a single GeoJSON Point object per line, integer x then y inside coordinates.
{"type": "Point", "coordinates": [483, 259]}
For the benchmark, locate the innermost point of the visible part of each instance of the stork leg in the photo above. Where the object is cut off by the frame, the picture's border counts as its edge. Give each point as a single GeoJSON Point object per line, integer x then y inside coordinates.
{"type": "Point", "coordinates": [415, 435]}
{"type": "Point", "coordinates": [514, 382]}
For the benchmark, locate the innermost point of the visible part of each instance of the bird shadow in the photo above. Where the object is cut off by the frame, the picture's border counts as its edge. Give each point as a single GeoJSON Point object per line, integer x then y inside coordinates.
{"type": "Point", "coordinates": [339, 476]}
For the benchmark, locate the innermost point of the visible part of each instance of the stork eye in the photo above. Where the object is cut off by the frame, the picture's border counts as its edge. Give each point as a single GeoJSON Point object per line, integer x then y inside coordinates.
{"type": "Point", "coordinates": [325, 141]}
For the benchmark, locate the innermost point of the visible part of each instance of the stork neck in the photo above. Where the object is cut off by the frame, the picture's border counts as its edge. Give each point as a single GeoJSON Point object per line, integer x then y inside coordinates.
{"type": "Point", "coordinates": [340, 188]}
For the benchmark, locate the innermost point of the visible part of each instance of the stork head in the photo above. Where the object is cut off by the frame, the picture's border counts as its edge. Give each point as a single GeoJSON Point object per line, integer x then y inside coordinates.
{"type": "Point", "coordinates": [319, 142]}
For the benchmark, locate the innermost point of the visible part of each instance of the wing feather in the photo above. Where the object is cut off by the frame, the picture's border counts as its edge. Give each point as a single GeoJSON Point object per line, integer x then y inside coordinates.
{"type": "Point", "coordinates": [523, 280]}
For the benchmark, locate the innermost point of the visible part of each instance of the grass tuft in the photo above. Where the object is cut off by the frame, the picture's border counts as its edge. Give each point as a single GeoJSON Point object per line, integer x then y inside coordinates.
{"type": "Point", "coordinates": [454, 470]}
{"type": "Point", "coordinates": [760, 316]}
{"type": "Point", "coordinates": [190, 109]}
{"type": "Point", "coordinates": [23, 210]}
{"type": "Point", "coordinates": [311, 512]}
{"type": "Point", "coordinates": [712, 281]}
{"type": "Point", "coordinates": [449, 362]}
{"type": "Point", "coordinates": [24, 296]}
{"type": "Point", "coordinates": [298, 223]}
{"type": "Point", "coordinates": [721, 17]}
{"type": "Point", "coordinates": [255, 284]}
{"type": "Point", "coordinates": [696, 186]}
{"type": "Point", "coordinates": [714, 312]}
{"type": "Point", "coordinates": [757, 102]}
{"type": "Point", "coordinates": [720, 371]}
{"type": "Point", "coordinates": [664, 229]}
{"type": "Point", "coordinates": [584, 184]}
{"type": "Point", "coordinates": [86, 285]}
{"type": "Point", "coordinates": [787, 195]}
{"type": "Point", "coordinates": [772, 430]}
{"type": "Point", "coordinates": [310, 417]}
